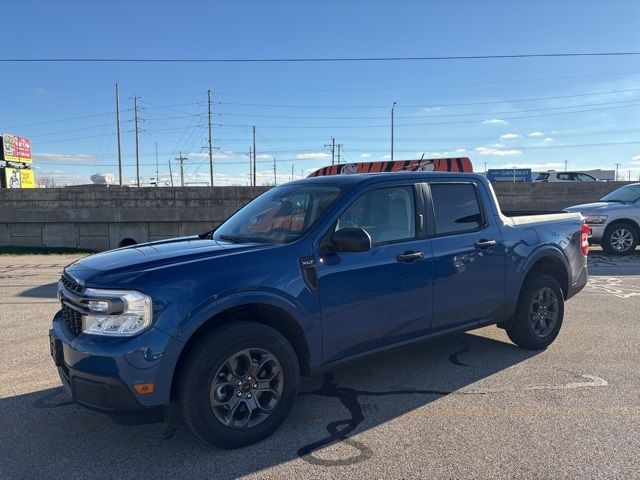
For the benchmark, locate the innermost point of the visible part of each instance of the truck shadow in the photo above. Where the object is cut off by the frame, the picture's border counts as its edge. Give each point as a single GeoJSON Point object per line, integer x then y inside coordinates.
{"type": "Point", "coordinates": [41, 291]}
{"type": "Point", "coordinates": [44, 431]}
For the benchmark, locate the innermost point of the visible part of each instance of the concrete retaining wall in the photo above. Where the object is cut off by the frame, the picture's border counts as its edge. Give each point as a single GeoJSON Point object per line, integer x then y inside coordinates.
{"type": "Point", "coordinates": [550, 197]}
{"type": "Point", "coordinates": [100, 218]}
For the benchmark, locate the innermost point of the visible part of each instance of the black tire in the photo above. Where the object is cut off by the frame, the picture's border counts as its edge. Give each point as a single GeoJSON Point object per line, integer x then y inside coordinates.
{"type": "Point", "coordinates": [620, 238]}
{"type": "Point", "coordinates": [212, 355]}
{"type": "Point", "coordinates": [527, 330]}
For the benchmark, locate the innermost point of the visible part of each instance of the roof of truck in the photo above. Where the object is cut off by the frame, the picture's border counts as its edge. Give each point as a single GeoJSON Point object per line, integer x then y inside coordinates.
{"type": "Point", "coordinates": [376, 177]}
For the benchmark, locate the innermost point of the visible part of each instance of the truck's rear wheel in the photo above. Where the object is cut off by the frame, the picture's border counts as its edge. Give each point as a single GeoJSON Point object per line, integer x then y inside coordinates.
{"type": "Point", "coordinates": [539, 313]}
{"type": "Point", "coordinates": [238, 384]}
{"type": "Point", "coordinates": [620, 238]}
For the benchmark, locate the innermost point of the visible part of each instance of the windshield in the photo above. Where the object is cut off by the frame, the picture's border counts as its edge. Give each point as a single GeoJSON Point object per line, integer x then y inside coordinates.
{"type": "Point", "coordinates": [626, 194]}
{"type": "Point", "coordinates": [281, 215]}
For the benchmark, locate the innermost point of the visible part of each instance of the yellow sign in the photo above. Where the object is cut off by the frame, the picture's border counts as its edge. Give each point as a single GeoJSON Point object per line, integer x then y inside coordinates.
{"type": "Point", "coordinates": [18, 178]}
{"type": "Point", "coordinates": [12, 178]}
{"type": "Point", "coordinates": [27, 178]}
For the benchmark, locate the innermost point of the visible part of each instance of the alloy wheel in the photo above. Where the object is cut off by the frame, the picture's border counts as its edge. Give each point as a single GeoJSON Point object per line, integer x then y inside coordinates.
{"type": "Point", "coordinates": [621, 239]}
{"type": "Point", "coordinates": [246, 388]}
{"type": "Point", "coordinates": [543, 312]}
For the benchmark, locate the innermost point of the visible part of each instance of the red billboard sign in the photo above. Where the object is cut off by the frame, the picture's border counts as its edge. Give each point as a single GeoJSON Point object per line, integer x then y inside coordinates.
{"type": "Point", "coordinates": [15, 149]}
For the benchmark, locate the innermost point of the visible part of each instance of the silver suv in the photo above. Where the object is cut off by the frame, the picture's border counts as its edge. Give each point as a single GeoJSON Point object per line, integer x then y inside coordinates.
{"type": "Point", "coordinates": [614, 221]}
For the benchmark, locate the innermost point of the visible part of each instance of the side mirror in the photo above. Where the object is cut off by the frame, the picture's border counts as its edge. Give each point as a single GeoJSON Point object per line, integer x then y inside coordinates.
{"type": "Point", "coordinates": [350, 240]}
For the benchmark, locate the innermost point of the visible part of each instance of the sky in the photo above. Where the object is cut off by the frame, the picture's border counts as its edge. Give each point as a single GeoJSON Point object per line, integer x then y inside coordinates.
{"type": "Point", "coordinates": [537, 113]}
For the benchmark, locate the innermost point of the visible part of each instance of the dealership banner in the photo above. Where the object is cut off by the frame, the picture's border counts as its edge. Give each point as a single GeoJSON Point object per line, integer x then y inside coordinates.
{"type": "Point", "coordinates": [15, 149]}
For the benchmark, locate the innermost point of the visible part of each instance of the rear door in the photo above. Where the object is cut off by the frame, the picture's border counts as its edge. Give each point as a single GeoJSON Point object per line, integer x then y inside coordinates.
{"type": "Point", "coordinates": [468, 254]}
{"type": "Point", "coordinates": [382, 296]}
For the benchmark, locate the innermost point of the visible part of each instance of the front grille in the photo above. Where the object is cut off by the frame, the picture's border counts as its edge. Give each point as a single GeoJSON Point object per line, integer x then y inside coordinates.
{"type": "Point", "coordinates": [72, 319]}
{"type": "Point", "coordinates": [71, 285]}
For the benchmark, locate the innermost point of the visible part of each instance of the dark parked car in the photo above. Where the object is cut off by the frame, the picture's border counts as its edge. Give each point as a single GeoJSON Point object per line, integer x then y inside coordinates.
{"type": "Point", "coordinates": [308, 275]}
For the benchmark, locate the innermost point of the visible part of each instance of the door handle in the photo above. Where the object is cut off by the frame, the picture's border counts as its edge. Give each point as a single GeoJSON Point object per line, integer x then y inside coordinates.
{"type": "Point", "coordinates": [407, 257]}
{"type": "Point", "coordinates": [482, 244]}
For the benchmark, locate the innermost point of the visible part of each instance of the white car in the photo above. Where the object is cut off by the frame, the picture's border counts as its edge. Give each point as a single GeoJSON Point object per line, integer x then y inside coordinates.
{"type": "Point", "coordinates": [553, 176]}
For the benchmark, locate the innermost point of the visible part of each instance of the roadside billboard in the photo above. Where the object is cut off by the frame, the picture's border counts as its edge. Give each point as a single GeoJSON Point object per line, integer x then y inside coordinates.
{"type": "Point", "coordinates": [27, 178]}
{"type": "Point", "coordinates": [11, 178]}
{"type": "Point", "coordinates": [15, 149]}
{"type": "Point", "coordinates": [18, 178]}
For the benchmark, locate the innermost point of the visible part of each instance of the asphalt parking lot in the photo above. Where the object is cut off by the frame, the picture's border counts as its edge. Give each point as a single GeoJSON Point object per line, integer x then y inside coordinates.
{"type": "Point", "coordinates": [469, 406]}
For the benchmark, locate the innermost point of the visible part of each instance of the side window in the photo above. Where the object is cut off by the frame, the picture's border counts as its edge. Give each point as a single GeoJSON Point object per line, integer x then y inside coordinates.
{"type": "Point", "coordinates": [456, 207]}
{"type": "Point", "coordinates": [583, 177]}
{"type": "Point", "coordinates": [564, 176]}
{"type": "Point", "coordinates": [387, 214]}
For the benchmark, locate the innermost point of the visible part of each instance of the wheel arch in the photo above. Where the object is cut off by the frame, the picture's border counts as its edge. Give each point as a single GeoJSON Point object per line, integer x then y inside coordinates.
{"type": "Point", "coordinates": [631, 221]}
{"type": "Point", "coordinates": [264, 313]}
{"type": "Point", "coordinates": [550, 262]}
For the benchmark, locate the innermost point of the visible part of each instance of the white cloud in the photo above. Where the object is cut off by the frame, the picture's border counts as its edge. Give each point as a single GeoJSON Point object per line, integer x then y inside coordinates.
{"type": "Point", "coordinates": [40, 91]}
{"type": "Point", "coordinates": [497, 151]}
{"type": "Point", "coordinates": [495, 121]}
{"type": "Point", "coordinates": [264, 156]}
{"type": "Point", "coordinates": [64, 157]}
{"type": "Point", "coordinates": [216, 154]}
{"type": "Point", "coordinates": [461, 150]}
{"type": "Point", "coordinates": [635, 158]}
{"type": "Point", "coordinates": [312, 156]}
{"type": "Point", "coordinates": [536, 134]}
{"type": "Point", "coordinates": [547, 140]}
{"type": "Point", "coordinates": [431, 109]}
{"type": "Point", "coordinates": [533, 166]}
{"type": "Point", "coordinates": [365, 155]}
{"type": "Point", "coordinates": [510, 136]}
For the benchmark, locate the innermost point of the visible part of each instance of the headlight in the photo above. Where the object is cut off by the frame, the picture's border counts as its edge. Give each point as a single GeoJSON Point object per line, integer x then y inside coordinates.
{"type": "Point", "coordinates": [116, 313]}
{"type": "Point", "coordinates": [595, 219]}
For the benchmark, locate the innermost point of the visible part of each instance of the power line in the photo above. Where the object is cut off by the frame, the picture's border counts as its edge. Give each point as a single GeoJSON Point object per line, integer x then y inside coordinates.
{"type": "Point", "coordinates": [318, 59]}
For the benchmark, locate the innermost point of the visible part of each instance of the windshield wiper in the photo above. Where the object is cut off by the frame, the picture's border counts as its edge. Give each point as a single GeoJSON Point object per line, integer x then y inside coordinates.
{"type": "Point", "coordinates": [229, 238]}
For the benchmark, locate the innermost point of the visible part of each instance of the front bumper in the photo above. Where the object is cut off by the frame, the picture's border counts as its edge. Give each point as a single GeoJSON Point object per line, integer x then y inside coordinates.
{"type": "Point", "coordinates": [100, 373]}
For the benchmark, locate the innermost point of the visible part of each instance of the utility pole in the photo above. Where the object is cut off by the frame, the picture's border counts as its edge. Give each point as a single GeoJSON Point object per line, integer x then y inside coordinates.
{"type": "Point", "coordinates": [565, 165]}
{"type": "Point", "coordinates": [181, 159]}
{"type": "Point", "coordinates": [339, 145]}
{"type": "Point", "coordinates": [118, 133]}
{"type": "Point", "coordinates": [157, 168]}
{"type": "Point", "coordinates": [332, 145]}
{"type": "Point", "coordinates": [392, 111]}
{"type": "Point", "coordinates": [485, 167]}
{"type": "Point", "coordinates": [135, 119]}
{"type": "Point", "coordinates": [275, 173]}
{"type": "Point", "coordinates": [210, 139]}
{"type": "Point", "coordinates": [617, 165]}
{"type": "Point", "coordinates": [170, 173]}
{"type": "Point", "coordinates": [292, 167]}
{"type": "Point", "coordinates": [255, 180]}
{"type": "Point", "coordinates": [250, 166]}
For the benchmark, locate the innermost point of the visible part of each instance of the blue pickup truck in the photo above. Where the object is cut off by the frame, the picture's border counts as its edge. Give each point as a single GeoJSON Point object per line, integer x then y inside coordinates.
{"type": "Point", "coordinates": [308, 275]}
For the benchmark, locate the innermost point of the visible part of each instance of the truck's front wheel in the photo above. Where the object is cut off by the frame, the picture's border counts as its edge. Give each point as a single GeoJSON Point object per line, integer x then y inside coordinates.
{"type": "Point", "coordinates": [539, 313]}
{"type": "Point", "coordinates": [238, 384]}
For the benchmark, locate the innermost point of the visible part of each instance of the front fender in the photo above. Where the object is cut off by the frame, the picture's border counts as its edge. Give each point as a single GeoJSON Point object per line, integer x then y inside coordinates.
{"type": "Point", "coordinates": [308, 321]}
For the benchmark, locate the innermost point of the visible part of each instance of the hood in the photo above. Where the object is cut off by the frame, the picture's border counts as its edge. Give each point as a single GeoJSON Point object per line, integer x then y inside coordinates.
{"type": "Point", "coordinates": [597, 207]}
{"type": "Point", "coordinates": [116, 265]}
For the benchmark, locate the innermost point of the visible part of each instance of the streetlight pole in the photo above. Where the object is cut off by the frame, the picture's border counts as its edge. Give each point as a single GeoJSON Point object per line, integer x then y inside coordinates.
{"type": "Point", "coordinates": [392, 109]}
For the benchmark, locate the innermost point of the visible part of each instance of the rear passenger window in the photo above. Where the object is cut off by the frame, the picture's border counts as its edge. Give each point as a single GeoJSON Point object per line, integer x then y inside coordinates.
{"type": "Point", "coordinates": [456, 207]}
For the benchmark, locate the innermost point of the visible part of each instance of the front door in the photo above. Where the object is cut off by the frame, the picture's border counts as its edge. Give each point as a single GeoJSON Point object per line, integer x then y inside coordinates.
{"type": "Point", "coordinates": [382, 296]}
